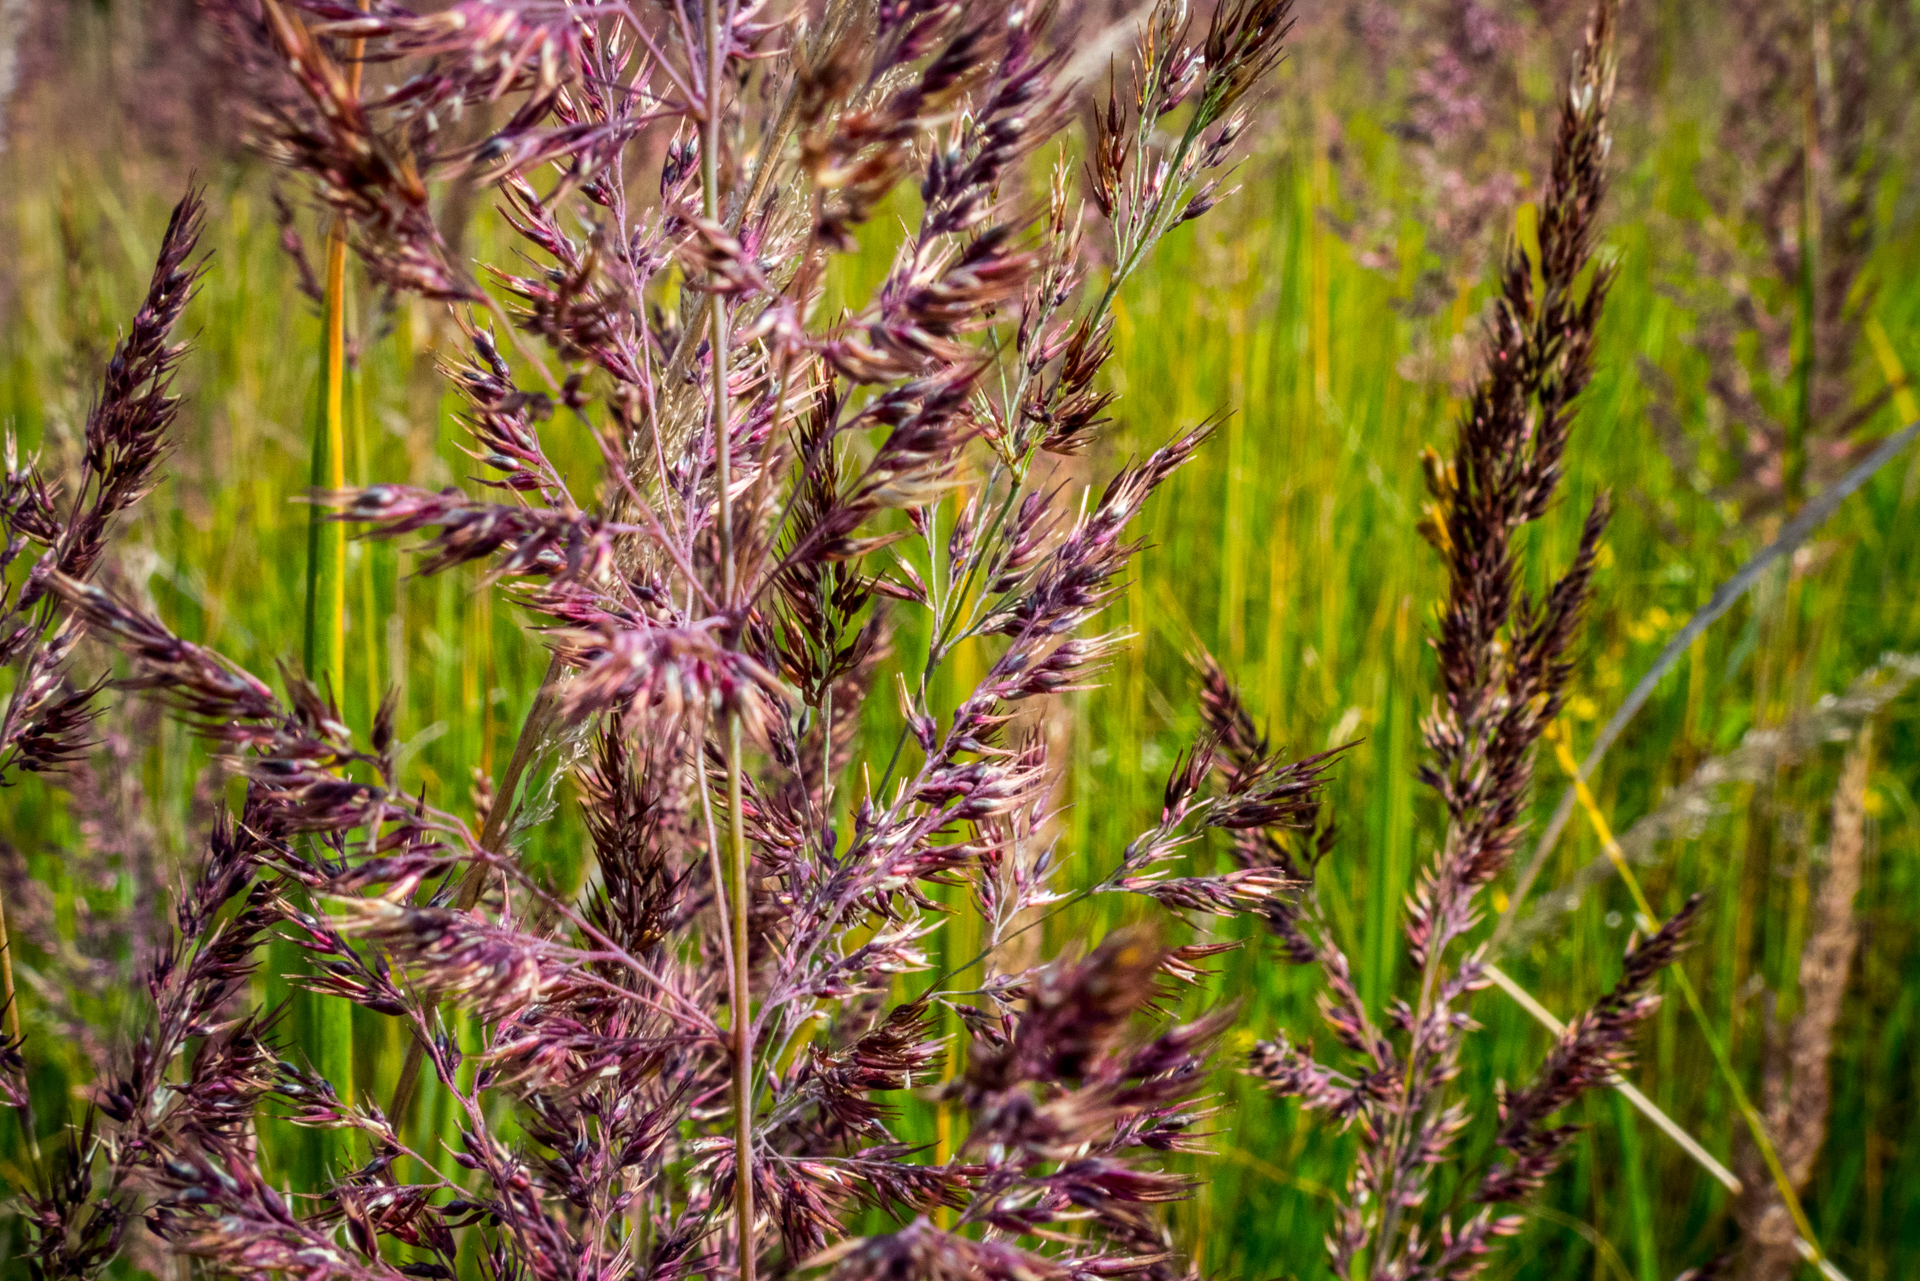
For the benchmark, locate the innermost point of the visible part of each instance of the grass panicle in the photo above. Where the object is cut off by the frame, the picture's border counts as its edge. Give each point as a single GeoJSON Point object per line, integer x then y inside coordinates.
{"type": "Point", "coordinates": [734, 818]}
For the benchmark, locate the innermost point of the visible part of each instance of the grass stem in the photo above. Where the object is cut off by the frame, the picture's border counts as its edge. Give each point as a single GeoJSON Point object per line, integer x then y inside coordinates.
{"type": "Point", "coordinates": [717, 32]}
{"type": "Point", "coordinates": [329, 1022]}
{"type": "Point", "coordinates": [12, 998]}
{"type": "Point", "coordinates": [324, 653]}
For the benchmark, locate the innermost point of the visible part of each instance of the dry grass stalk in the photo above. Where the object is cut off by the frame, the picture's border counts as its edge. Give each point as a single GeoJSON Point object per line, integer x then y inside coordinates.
{"type": "Point", "coordinates": [1798, 1086]}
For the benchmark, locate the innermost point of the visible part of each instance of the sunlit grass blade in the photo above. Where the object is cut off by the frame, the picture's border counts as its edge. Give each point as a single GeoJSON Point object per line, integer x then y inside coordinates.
{"type": "Point", "coordinates": [327, 1024]}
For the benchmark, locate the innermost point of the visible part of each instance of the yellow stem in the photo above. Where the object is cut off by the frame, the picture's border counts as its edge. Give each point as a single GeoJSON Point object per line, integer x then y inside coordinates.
{"type": "Point", "coordinates": [12, 999]}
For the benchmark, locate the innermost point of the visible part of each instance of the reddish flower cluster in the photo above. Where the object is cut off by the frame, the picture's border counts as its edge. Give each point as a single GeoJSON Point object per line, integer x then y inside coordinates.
{"type": "Point", "coordinates": [694, 1051]}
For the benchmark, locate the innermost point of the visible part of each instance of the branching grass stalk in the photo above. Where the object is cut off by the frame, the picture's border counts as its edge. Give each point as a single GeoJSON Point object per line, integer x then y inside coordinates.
{"type": "Point", "coordinates": [1386, 1238]}
{"type": "Point", "coordinates": [717, 32]}
{"type": "Point", "coordinates": [636, 1082]}
{"type": "Point", "coordinates": [1645, 1106]}
{"type": "Point", "coordinates": [540, 720]}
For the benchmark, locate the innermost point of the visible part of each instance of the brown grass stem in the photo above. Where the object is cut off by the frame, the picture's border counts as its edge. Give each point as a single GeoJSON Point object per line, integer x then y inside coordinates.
{"type": "Point", "coordinates": [1797, 1071]}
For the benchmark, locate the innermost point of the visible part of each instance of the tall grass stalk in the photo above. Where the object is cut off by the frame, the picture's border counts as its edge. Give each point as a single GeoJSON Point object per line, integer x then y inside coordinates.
{"type": "Point", "coordinates": [324, 651]}
{"type": "Point", "coordinates": [329, 1023]}
{"type": "Point", "coordinates": [1503, 671]}
{"type": "Point", "coordinates": [719, 19]}
{"type": "Point", "coordinates": [1623, 1087]}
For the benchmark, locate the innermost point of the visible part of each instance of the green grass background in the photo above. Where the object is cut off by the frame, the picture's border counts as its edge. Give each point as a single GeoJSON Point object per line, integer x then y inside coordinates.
{"type": "Point", "coordinates": [1289, 549]}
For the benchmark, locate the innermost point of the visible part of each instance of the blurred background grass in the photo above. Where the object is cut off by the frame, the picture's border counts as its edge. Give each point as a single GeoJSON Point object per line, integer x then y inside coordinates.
{"type": "Point", "coordinates": [1289, 550]}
